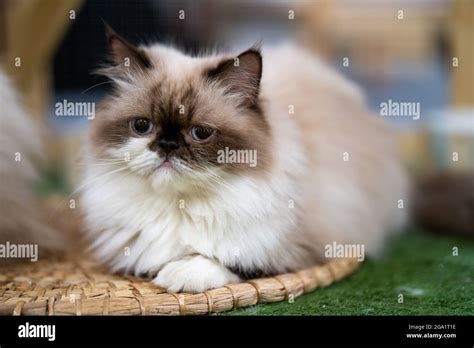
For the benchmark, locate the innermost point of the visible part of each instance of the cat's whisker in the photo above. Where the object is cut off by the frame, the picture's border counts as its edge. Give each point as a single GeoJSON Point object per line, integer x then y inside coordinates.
{"type": "Point", "coordinates": [100, 164]}
{"type": "Point", "coordinates": [105, 159]}
{"type": "Point", "coordinates": [97, 178]}
{"type": "Point", "coordinates": [216, 178]}
{"type": "Point", "coordinates": [96, 85]}
{"type": "Point", "coordinates": [224, 182]}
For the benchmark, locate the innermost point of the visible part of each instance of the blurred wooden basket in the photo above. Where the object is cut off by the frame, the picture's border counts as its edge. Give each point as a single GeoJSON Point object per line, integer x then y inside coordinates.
{"type": "Point", "coordinates": [79, 287]}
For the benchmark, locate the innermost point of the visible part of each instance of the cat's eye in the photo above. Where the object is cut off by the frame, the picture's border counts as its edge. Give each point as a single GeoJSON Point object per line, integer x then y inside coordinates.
{"type": "Point", "coordinates": [200, 133]}
{"type": "Point", "coordinates": [141, 126]}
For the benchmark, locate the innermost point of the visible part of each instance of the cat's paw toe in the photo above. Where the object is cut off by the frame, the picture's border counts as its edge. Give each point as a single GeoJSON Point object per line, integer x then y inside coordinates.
{"type": "Point", "coordinates": [194, 274]}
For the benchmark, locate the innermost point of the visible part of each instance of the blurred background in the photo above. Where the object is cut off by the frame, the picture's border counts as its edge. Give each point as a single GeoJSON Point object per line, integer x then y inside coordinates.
{"type": "Point", "coordinates": [402, 50]}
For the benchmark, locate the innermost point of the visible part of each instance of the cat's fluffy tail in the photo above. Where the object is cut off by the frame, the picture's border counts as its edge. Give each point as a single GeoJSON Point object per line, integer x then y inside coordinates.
{"type": "Point", "coordinates": [21, 213]}
{"type": "Point", "coordinates": [444, 203]}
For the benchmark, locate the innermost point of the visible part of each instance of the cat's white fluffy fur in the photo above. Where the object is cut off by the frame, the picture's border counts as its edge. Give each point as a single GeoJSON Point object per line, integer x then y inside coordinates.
{"type": "Point", "coordinates": [314, 195]}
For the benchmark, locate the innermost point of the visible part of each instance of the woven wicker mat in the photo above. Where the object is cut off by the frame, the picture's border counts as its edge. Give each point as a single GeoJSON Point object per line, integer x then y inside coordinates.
{"type": "Point", "coordinates": [59, 287]}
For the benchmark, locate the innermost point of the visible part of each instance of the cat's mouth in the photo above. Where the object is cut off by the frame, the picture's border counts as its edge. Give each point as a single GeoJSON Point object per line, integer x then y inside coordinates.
{"type": "Point", "coordinates": [166, 165]}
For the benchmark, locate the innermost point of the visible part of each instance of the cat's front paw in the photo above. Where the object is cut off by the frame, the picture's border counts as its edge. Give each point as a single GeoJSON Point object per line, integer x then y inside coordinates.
{"type": "Point", "coordinates": [194, 274]}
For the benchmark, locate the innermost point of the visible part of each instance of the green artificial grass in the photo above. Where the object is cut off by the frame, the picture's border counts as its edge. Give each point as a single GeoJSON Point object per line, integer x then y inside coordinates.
{"type": "Point", "coordinates": [419, 266]}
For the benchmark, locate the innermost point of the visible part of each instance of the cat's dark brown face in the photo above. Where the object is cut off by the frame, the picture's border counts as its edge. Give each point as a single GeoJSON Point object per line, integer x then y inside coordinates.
{"type": "Point", "coordinates": [176, 117]}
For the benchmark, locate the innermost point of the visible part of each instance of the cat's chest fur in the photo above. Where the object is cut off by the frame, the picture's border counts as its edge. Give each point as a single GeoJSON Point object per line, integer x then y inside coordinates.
{"type": "Point", "coordinates": [243, 225]}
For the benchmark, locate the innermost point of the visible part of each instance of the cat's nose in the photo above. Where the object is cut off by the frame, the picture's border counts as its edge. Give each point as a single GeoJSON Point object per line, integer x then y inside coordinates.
{"type": "Point", "coordinates": [168, 145]}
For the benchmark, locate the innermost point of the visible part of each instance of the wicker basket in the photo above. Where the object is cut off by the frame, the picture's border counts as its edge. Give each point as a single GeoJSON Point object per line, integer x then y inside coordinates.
{"type": "Point", "coordinates": [78, 287]}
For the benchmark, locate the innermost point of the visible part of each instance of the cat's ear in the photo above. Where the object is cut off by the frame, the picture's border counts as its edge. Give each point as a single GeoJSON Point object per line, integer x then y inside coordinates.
{"type": "Point", "coordinates": [241, 75]}
{"type": "Point", "coordinates": [123, 53]}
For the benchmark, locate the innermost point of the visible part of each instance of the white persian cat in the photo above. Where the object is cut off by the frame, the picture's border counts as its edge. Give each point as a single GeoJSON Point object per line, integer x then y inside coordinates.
{"type": "Point", "coordinates": [170, 188]}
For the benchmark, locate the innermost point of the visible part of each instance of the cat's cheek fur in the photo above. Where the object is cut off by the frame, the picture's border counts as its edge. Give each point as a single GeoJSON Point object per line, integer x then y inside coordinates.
{"type": "Point", "coordinates": [135, 154]}
{"type": "Point", "coordinates": [194, 273]}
